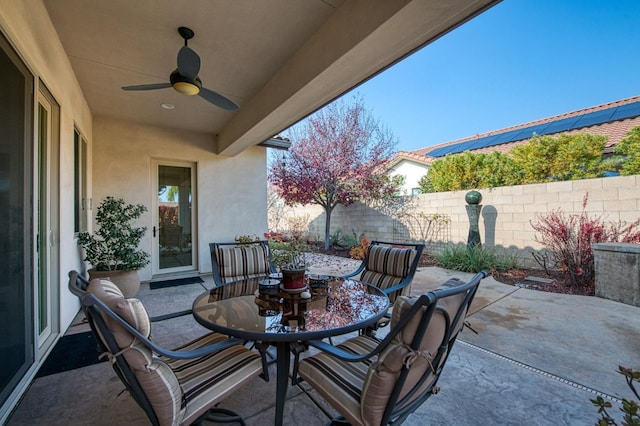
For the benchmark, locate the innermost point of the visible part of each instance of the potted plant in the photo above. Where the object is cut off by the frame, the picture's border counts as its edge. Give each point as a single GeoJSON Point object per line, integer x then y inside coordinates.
{"type": "Point", "coordinates": [112, 250]}
{"type": "Point", "coordinates": [293, 271]}
{"type": "Point", "coordinates": [289, 257]}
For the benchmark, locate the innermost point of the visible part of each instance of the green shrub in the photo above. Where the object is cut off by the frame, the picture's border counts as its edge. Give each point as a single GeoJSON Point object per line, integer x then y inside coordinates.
{"type": "Point", "coordinates": [353, 240]}
{"type": "Point", "coordinates": [114, 246]}
{"type": "Point", "coordinates": [461, 258]}
{"type": "Point", "coordinates": [336, 239]}
{"type": "Point", "coordinates": [630, 148]}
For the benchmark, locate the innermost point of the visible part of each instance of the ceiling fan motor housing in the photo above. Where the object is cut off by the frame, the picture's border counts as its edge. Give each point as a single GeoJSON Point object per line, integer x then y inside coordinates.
{"type": "Point", "coordinates": [185, 85]}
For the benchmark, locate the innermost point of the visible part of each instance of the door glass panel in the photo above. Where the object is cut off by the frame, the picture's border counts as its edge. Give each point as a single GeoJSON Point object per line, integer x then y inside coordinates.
{"type": "Point", "coordinates": [16, 288]}
{"type": "Point", "coordinates": [174, 217]}
{"type": "Point", "coordinates": [41, 237]}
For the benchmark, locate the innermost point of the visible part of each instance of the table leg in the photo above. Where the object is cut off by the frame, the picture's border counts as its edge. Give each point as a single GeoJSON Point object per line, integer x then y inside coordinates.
{"type": "Point", "coordinates": [282, 379]}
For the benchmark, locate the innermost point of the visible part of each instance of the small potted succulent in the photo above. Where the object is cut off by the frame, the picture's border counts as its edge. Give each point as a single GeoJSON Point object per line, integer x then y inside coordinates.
{"type": "Point", "coordinates": [112, 250]}
{"type": "Point", "coordinates": [293, 271]}
{"type": "Point", "coordinates": [289, 257]}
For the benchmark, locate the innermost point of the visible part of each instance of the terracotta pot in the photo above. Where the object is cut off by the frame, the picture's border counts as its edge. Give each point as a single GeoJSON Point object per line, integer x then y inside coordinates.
{"type": "Point", "coordinates": [127, 281]}
{"type": "Point", "coordinates": [293, 278]}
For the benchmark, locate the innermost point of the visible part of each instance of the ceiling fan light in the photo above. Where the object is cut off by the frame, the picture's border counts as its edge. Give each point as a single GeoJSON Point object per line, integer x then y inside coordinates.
{"type": "Point", "coordinates": [186, 88]}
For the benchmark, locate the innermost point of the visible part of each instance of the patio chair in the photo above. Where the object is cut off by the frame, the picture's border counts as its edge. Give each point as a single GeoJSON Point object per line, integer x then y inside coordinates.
{"type": "Point", "coordinates": [241, 260]}
{"type": "Point", "coordinates": [180, 386]}
{"type": "Point", "coordinates": [372, 382]}
{"type": "Point", "coordinates": [390, 267]}
{"type": "Point", "coordinates": [236, 261]}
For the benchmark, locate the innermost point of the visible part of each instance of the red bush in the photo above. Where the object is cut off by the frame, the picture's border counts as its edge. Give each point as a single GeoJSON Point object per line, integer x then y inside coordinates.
{"type": "Point", "coordinates": [569, 238]}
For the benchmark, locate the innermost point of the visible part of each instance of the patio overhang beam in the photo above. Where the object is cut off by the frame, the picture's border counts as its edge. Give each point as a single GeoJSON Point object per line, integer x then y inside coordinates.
{"type": "Point", "coordinates": [363, 38]}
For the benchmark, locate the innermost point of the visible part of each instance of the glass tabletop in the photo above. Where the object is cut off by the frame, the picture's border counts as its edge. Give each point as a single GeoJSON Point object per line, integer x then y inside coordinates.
{"type": "Point", "coordinates": [260, 309]}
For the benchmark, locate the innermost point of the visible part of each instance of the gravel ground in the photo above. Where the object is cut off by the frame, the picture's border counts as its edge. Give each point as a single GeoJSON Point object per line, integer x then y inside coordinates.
{"type": "Point", "coordinates": [319, 263]}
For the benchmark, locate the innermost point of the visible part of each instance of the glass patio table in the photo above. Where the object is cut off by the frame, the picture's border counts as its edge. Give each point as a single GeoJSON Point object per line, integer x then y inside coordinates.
{"type": "Point", "coordinates": [261, 310]}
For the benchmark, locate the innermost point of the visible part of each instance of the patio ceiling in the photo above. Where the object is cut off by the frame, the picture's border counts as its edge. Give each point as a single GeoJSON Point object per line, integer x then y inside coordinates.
{"type": "Point", "coordinates": [279, 60]}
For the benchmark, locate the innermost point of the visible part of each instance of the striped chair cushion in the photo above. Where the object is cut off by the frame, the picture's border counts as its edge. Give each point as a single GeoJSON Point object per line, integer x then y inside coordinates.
{"type": "Point", "coordinates": [340, 382]}
{"type": "Point", "coordinates": [436, 326]}
{"type": "Point", "coordinates": [206, 381]}
{"type": "Point", "coordinates": [179, 390]}
{"type": "Point", "coordinates": [360, 391]}
{"type": "Point", "coordinates": [382, 376]}
{"type": "Point", "coordinates": [131, 310]}
{"type": "Point", "coordinates": [236, 263]}
{"type": "Point", "coordinates": [387, 266]}
{"type": "Point", "coordinates": [159, 383]}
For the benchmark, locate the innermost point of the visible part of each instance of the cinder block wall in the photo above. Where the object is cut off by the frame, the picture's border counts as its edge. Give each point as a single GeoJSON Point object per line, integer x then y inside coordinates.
{"type": "Point", "coordinates": [506, 216]}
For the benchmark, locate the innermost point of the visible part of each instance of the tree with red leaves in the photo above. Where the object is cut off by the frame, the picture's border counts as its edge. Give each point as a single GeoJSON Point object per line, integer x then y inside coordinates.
{"type": "Point", "coordinates": [336, 157]}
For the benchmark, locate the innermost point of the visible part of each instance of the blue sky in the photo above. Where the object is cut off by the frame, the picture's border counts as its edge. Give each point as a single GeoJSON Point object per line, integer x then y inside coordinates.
{"type": "Point", "coordinates": [521, 60]}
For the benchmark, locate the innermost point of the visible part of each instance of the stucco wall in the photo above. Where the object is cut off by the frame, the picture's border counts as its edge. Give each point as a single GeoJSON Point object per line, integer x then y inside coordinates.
{"type": "Point", "coordinates": [231, 191]}
{"type": "Point", "coordinates": [28, 29]}
{"type": "Point", "coordinates": [412, 173]}
{"type": "Point", "coordinates": [506, 216]}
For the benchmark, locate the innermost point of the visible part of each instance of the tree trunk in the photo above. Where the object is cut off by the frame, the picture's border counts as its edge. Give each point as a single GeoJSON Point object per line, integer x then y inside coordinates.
{"type": "Point", "coordinates": [327, 228]}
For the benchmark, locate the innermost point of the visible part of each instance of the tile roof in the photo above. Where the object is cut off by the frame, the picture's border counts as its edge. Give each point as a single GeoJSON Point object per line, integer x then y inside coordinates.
{"type": "Point", "coordinates": [616, 130]}
{"type": "Point", "coordinates": [411, 156]}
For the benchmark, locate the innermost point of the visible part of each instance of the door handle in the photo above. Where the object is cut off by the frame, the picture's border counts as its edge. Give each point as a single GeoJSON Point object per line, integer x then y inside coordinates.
{"type": "Point", "coordinates": [154, 232]}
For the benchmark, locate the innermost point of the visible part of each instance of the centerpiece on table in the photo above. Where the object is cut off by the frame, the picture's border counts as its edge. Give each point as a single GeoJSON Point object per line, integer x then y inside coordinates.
{"type": "Point", "coordinates": [293, 272]}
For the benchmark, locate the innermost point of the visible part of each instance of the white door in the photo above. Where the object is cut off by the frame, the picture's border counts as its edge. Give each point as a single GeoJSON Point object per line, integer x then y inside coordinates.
{"type": "Point", "coordinates": [174, 231]}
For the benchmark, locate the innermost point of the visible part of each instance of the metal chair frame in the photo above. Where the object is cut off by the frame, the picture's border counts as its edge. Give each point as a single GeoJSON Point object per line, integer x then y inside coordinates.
{"type": "Point", "coordinates": [428, 303]}
{"type": "Point", "coordinates": [92, 308]}
{"type": "Point", "coordinates": [418, 247]}
{"type": "Point", "coordinates": [406, 281]}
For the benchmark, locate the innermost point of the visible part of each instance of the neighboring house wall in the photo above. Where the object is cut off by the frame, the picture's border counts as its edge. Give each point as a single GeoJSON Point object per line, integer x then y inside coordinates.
{"type": "Point", "coordinates": [229, 189]}
{"type": "Point", "coordinates": [412, 173]}
{"type": "Point", "coordinates": [506, 216]}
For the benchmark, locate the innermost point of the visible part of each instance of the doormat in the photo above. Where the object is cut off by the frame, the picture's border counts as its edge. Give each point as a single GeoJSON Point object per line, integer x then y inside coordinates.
{"type": "Point", "coordinates": [72, 351]}
{"type": "Point", "coordinates": [172, 283]}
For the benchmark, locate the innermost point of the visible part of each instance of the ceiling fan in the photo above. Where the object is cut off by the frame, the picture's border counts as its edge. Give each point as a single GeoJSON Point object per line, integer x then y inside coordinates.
{"type": "Point", "coordinates": [185, 80]}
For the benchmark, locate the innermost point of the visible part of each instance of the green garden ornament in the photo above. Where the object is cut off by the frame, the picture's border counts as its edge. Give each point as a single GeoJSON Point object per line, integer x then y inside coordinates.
{"type": "Point", "coordinates": [473, 199]}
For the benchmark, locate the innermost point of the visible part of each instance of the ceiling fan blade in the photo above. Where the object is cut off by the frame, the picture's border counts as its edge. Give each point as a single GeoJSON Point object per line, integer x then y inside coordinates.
{"type": "Point", "coordinates": [218, 99]}
{"type": "Point", "coordinates": [148, 86]}
{"type": "Point", "coordinates": [188, 63]}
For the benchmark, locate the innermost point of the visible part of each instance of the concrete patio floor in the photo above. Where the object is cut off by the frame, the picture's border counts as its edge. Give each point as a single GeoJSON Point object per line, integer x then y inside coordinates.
{"type": "Point", "coordinates": [538, 359]}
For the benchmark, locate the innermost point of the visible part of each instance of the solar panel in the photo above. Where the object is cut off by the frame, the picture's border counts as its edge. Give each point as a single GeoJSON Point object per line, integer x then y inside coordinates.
{"type": "Point", "coordinates": [593, 118]}
{"type": "Point", "coordinates": [440, 152]}
{"type": "Point", "coordinates": [569, 123]}
{"type": "Point", "coordinates": [528, 132]}
{"type": "Point", "coordinates": [461, 147]}
{"type": "Point", "coordinates": [626, 111]}
{"type": "Point", "coordinates": [561, 125]}
{"type": "Point", "coordinates": [482, 142]}
{"type": "Point", "coordinates": [506, 136]}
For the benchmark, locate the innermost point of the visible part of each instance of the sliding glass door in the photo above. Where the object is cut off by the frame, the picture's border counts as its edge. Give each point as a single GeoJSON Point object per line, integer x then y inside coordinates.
{"type": "Point", "coordinates": [17, 332]}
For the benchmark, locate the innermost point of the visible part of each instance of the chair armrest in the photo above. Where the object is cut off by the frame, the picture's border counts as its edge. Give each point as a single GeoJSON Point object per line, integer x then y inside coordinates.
{"type": "Point", "coordinates": [171, 316]}
{"type": "Point", "coordinates": [341, 353]}
{"type": "Point", "coordinates": [402, 284]}
{"type": "Point", "coordinates": [91, 300]}
{"type": "Point", "coordinates": [354, 273]}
